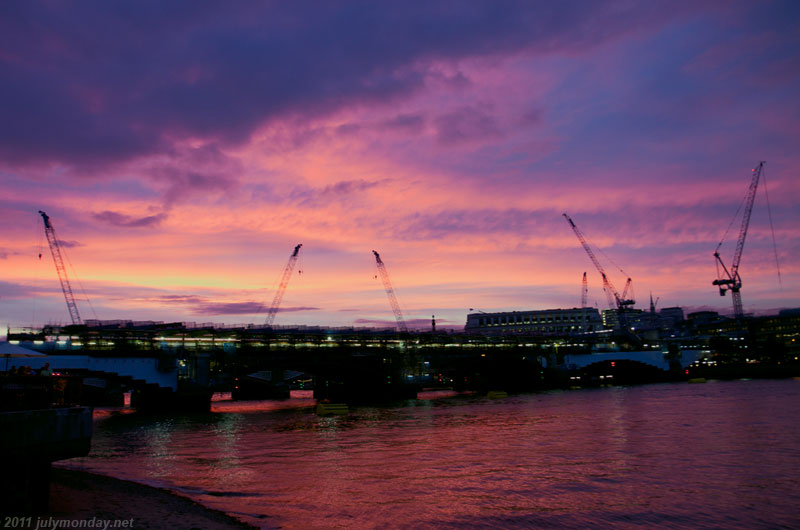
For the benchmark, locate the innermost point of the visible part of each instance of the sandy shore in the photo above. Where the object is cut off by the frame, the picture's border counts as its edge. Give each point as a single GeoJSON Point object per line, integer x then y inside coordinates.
{"type": "Point", "coordinates": [81, 496]}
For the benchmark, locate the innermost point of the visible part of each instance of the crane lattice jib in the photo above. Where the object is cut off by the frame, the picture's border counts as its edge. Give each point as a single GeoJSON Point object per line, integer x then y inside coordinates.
{"type": "Point", "coordinates": [751, 197]}
{"type": "Point", "coordinates": [387, 285]}
{"type": "Point", "coordinates": [55, 250]}
{"type": "Point", "coordinates": [619, 301]}
{"type": "Point", "coordinates": [628, 289]}
{"type": "Point", "coordinates": [584, 292]}
{"type": "Point", "coordinates": [609, 290]}
{"type": "Point", "coordinates": [733, 282]}
{"type": "Point", "coordinates": [287, 274]}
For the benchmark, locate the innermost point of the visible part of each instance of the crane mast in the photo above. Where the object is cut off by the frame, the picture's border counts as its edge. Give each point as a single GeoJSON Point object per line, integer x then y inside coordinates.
{"type": "Point", "coordinates": [287, 274]}
{"type": "Point", "coordinates": [584, 292]}
{"type": "Point", "coordinates": [729, 279]}
{"type": "Point", "coordinates": [615, 300]}
{"type": "Point", "coordinates": [387, 285]}
{"type": "Point", "coordinates": [55, 250]}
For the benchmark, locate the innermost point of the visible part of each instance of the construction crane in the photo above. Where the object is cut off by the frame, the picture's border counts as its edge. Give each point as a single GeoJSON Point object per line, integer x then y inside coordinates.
{"type": "Point", "coordinates": [653, 304]}
{"type": "Point", "coordinates": [584, 292]}
{"type": "Point", "coordinates": [287, 274]}
{"type": "Point", "coordinates": [55, 250]}
{"type": "Point", "coordinates": [398, 315]}
{"type": "Point", "coordinates": [729, 279]}
{"type": "Point", "coordinates": [615, 300]}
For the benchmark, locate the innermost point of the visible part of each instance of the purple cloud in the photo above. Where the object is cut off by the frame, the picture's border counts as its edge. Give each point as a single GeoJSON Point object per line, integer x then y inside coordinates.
{"type": "Point", "coordinates": [467, 124]}
{"type": "Point", "coordinates": [200, 305]}
{"type": "Point", "coordinates": [414, 323]}
{"type": "Point", "coordinates": [9, 290]}
{"type": "Point", "coordinates": [227, 308]}
{"type": "Point", "coordinates": [242, 308]}
{"type": "Point", "coordinates": [197, 170]}
{"type": "Point", "coordinates": [71, 243]}
{"type": "Point", "coordinates": [119, 219]}
{"type": "Point", "coordinates": [84, 84]}
{"type": "Point", "coordinates": [438, 225]}
{"type": "Point", "coordinates": [405, 123]}
{"type": "Point", "coordinates": [339, 190]}
{"type": "Point", "coordinates": [346, 187]}
{"type": "Point", "coordinates": [181, 299]}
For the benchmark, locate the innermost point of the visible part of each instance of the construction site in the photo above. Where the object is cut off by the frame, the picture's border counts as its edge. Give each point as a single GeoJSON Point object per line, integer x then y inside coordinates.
{"type": "Point", "coordinates": [520, 350]}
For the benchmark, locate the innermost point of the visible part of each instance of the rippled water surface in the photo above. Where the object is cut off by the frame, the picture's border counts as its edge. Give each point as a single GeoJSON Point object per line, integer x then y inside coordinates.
{"type": "Point", "coordinates": [715, 455]}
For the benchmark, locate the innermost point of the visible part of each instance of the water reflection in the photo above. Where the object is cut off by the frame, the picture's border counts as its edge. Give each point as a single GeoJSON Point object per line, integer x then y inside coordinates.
{"type": "Point", "coordinates": [674, 455]}
{"type": "Point", "coordinates": [159, 458]}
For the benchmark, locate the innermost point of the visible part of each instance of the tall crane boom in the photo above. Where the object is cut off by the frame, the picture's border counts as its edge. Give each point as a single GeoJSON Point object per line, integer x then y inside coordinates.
{"type": "Point", "coordinates": [398, 315]}
{"type": "Point", "coordinates": [618, 301]}
{"type": "Point", "coordinates": [55, 250]}
{"type": "Point", "coordinates": [584, 292]}
{"type": "Point", "coordinates": [729, 279]}
{"type": "Point", "coordinates": [287, 274]}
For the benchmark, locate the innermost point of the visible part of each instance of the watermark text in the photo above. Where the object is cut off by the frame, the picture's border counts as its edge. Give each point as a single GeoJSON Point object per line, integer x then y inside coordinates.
{"type": "Point", "coordinates": [51, 523]}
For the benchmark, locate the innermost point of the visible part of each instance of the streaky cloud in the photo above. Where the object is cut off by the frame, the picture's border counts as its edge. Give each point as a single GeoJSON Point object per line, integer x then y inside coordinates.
{"type": "Point", "coordinates": [414, 323]}
{"type": "Point", "coordinates": [200, 305]}
{"type": "Point", "coordinates": [69, 243]}
{"type": "Point", "coordinates": [242, 308]}
{"type": "Point", "coordinates": [127, 221]}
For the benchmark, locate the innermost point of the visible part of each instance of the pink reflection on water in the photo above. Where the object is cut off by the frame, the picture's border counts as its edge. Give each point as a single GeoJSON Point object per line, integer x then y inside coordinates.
{"type": "Point", "coordinates": [221, 396]}
{"type": "Point", "coordinates": [440, 394]}
{"type": "Point", "coordinates": [107, 412]}
{"type": "Point", "coordinates": [298, 399]}
{"type": "Point", "coordinates": [605, 457]}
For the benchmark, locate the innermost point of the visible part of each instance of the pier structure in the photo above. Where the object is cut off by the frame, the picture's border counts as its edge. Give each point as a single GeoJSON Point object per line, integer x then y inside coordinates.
{"type": "Point", "coordinates": [39, 424]}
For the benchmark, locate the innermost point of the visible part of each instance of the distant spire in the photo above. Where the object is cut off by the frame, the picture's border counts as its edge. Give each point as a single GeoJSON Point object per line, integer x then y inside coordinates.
{"type": "Point", "coordinates": [433, 323]}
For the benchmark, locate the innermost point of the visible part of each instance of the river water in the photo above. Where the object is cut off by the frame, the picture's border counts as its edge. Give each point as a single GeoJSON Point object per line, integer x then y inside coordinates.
{"type": "Point", "coordinates": [714, 455]}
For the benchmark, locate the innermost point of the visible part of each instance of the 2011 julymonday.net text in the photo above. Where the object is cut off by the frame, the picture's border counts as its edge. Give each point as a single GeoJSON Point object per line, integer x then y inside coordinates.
{"type": "Point", "coordinates": [47, 523]}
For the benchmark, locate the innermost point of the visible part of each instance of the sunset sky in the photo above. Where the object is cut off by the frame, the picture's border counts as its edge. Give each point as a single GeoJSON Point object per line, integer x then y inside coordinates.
{"type": "Point", "coordinates": [182, 150]}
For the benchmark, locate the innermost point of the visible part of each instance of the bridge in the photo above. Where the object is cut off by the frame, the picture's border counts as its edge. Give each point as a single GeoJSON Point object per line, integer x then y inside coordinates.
{"type": "Point", "coordinates": [654, 358]}
{"type": "Point", "coordinates": [344, 363]}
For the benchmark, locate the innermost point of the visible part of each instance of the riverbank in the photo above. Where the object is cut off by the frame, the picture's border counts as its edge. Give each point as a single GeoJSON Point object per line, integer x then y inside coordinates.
{"type": "Point", "coordinates": [81, 496]}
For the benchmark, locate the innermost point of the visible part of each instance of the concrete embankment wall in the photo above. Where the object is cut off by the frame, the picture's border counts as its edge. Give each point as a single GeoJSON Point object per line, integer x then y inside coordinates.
{"type": "Point", "coordinates": [30, 440]}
